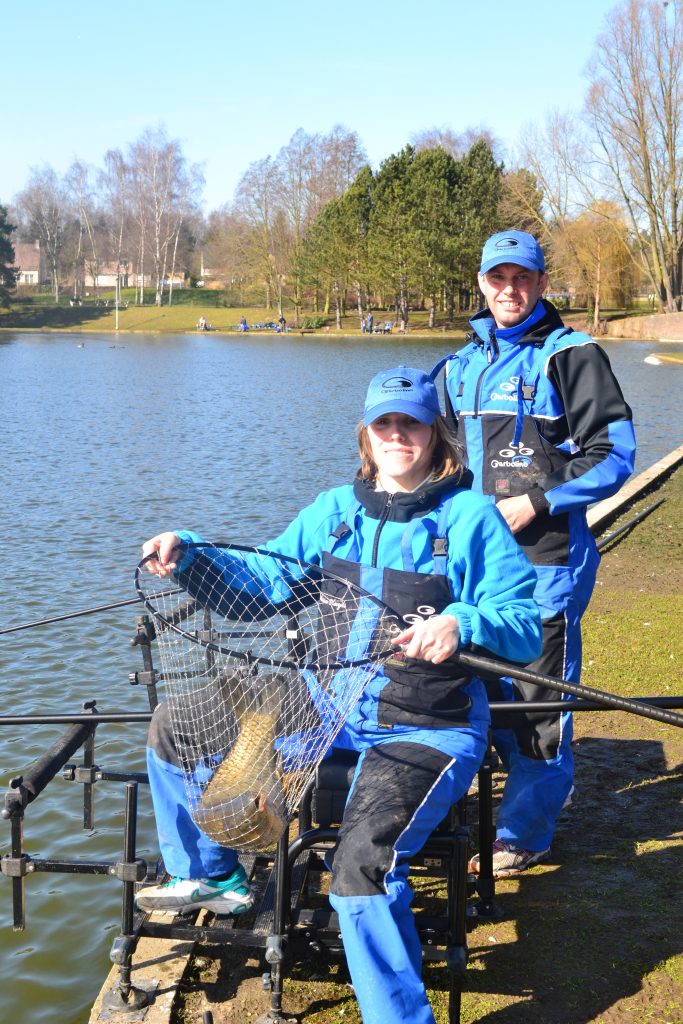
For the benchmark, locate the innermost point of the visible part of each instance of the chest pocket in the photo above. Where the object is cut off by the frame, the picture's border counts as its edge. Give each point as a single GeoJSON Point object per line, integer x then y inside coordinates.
{"type": "Point", "coordinates": [416, 693]}
{"type": "Point", "coordinates": [419, 693]}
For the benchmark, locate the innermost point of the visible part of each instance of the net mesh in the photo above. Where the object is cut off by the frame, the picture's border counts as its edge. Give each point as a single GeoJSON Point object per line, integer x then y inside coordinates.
{"type": "Point", "coordinates": [262, 657]}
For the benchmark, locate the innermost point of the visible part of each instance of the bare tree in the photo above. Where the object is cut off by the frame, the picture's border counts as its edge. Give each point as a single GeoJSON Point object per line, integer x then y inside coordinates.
{"type": "Point", "coordinates": [256, 202]}
{"type": "Point", "coordinates": [44, 205]}
{"type": "Point", "coordinates": [521, 202]}
{"type": "Point", "coordinates": [593, 254]}
{"type": "Point", "coordinates": [456, 145]}
{"type": "Point", "coordinates": [635, 106]}
{"type": "Point", "coordinates": [114, 189]}
{"type": "Point", "coordinates": [87, 251]}
{"type": "Point", "coordinates": [573, 217]}
{"type": "Point", "coordinates": [165, 189]}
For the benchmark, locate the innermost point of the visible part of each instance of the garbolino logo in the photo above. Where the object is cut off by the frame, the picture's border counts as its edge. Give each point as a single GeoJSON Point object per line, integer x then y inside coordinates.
{"type": "Point", "coordinates": [507, 391]}
{"type": "Point", "coordinates": [396, 384]}
{"type": "Point", "coordinates": [517, 457]}
{"type": "Point", "coordinates": [507, 243]}
{"type": "Point", "coordinates": [423, 611]}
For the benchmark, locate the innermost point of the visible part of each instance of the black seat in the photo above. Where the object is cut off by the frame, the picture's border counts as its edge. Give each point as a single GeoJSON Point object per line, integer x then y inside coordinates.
{"type": "Point", "coordinates": [301, 929]}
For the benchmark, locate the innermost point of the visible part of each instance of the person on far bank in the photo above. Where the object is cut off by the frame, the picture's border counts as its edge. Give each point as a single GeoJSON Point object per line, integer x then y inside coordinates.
{"type": "Point", "coordinates": [546, 432]}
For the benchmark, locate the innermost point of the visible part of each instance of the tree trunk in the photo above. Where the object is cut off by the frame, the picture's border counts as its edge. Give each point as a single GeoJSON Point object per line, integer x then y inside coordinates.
{"type": "Point", "coordinates": [596, 299]}
{"type": "Point", "coordinates": [337, 306]}
{"type": "Point", "coordinates": [175, 251]}
{"type": "Point", "coordinates": [403, 299]}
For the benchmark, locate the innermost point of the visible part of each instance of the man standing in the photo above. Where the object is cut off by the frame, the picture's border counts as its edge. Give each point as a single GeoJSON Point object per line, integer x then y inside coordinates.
{"type": "Point", "coordinates": [546, 432]}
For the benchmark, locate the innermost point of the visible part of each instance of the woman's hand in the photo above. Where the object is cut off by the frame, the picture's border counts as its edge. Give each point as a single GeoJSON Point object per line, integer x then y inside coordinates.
{"type": "Point", "coordinates": [165, 547]}
{"type": "Point", "coordinates": [433, 639]}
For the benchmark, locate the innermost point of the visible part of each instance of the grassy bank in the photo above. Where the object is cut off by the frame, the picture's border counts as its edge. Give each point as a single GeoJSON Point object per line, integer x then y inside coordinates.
{"type": "Point", "coordinates": [593, 936]}
{"type": "Point", "coordinates": [39, 313]}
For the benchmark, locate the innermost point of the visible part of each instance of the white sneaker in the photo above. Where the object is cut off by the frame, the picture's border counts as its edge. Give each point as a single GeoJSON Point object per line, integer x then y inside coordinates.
{"type": "Point", "coordinates": [508, 859]}
{"type": "Point", "coordinates": [183, 895]}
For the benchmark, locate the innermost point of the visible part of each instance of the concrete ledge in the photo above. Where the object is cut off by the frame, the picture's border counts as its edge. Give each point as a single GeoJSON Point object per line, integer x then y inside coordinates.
{"type": "Point", "coordinates": [602, 513]}
{"type": "Point", "coordinates": [158, 968]}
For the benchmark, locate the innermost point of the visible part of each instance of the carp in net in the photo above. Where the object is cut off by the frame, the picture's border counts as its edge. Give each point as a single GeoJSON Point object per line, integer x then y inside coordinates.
{"type": "Point", "coordinates": [263, 657]}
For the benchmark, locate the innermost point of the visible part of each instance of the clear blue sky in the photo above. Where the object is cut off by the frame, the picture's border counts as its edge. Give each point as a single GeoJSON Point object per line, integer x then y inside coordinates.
{"type": "Point", "coordinates": [234, 79]}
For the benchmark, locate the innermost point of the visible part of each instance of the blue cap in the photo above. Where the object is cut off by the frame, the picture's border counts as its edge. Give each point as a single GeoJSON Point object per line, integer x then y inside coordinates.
{"type": "Point", "coordinates": [405, 390]}
{"type": "Point", "coordinates": [512, 247]}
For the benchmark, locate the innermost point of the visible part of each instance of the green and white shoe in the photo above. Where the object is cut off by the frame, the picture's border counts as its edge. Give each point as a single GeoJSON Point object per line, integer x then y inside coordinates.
{"type": "Point", "coordinates": [233, 895]}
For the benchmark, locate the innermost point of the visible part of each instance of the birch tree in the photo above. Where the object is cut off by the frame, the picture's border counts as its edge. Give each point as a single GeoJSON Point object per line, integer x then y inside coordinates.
{"type": "Point", "coordinates": [113, 185]}
{"type": "Point", "coordinates": [164, 188]}
{"type": "Point", "coordinates": [44, 205]}
{"type": "Point", "coordinates": [87, 248]}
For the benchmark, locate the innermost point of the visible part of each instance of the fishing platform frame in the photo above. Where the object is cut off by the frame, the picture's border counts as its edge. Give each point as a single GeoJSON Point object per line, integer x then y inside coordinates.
{"type": "Point", "coordinates": [283, 927]}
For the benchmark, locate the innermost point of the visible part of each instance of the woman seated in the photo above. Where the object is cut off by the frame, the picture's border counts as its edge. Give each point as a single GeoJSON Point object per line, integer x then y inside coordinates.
{"type": "Point", "coordinates": [409, 530]}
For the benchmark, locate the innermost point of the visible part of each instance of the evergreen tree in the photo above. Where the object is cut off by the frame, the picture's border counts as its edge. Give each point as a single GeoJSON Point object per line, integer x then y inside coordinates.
{"type": "Point", "coordinates": [480, 183]}
{"type": "Point", "coordinates": [392, 243]}
{"type": "Point", "coordinates": [435, 183]}
{"type": "Point", "coordinates": [7, 268]}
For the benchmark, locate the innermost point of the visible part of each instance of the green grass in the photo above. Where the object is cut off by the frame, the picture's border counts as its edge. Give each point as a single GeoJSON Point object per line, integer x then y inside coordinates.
{"type": "Point", "coordinates": [38, 312]}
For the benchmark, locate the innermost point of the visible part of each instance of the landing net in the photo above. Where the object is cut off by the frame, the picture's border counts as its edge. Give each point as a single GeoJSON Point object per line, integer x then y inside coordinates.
{"type": "Point", "coordinates": [263, 657]}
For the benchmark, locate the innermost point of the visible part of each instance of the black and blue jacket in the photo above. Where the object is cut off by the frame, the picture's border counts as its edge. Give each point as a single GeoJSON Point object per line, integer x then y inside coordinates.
{"type": "Point", "coordinates": [540, 412]}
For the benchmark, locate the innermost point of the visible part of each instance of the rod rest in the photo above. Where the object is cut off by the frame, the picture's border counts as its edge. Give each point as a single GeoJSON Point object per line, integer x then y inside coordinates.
{"type": "Point", "coordinates": [26, 787]}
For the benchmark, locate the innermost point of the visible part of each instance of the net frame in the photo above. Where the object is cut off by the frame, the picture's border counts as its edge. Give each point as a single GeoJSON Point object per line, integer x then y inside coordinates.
{"type": "Point", "coordinates": [256, 703]}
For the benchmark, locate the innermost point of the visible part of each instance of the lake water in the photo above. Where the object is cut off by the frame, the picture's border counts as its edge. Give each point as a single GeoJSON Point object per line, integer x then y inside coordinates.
{"type": "Point", "coordinates": [106, 441]}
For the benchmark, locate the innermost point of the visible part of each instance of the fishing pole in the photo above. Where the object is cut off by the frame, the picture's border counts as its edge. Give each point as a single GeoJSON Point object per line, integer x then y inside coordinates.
{"type": "Point", "coordinates": [491, 666]}
{"type": "Point", "coordinates": [75, 615]}
{"type": "Point", "coordinates": [627, 526]}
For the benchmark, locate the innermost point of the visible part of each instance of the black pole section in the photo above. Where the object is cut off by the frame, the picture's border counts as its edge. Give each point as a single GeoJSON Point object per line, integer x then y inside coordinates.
{"type": "Point", "coordinates": [123, 996]}
{"type": "Point", "coordinates": [627, 526]}
{"type": "Point", "coordinates": [70, 615]}
{"type": "Point", "coordinates": [26, 787]}
{"type": "Point", "coordinates": [88, 787]}
{"type": "Point", "coordinates": [145, 716]}
{"type": "Point", "coordinates": [494, 667]}
{"type": "Point", "coordinates": [578, 705]}
{"type": "Point", "coordinates": [128, 895]}
{"type": "Point", "coordinates": [485, 882]}
{"type": "Point", "coordinates": [276, 943]}
{"type": "Point", "coordinates": [69, 719]}
{"type": "Point", "coordinates": [18, 897]}
{"type": "Point", "coordinates": [83, 611]}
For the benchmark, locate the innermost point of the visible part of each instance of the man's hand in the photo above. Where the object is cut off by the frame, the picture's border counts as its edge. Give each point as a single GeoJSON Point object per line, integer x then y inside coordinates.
{"type": "Point", "coordinates": [433, 639]}
{"type": "Point", "coordinates": [517, 512]}
{"type": "Point", "coordinates": [165, 546]}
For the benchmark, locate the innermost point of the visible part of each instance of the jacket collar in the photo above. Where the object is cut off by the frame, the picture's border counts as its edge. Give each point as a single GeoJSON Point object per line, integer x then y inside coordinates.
{"type": "Point", "coordinates": [405, 506]}
{"type": "Point", "coordinates": [535, 329]}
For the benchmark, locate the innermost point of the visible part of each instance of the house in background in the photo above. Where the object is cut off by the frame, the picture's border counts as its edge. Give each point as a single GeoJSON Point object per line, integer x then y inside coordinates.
{"type": "Point", "coordinates": [29, 258]}
{"type": "Point", "coordinates": [106, 278]}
